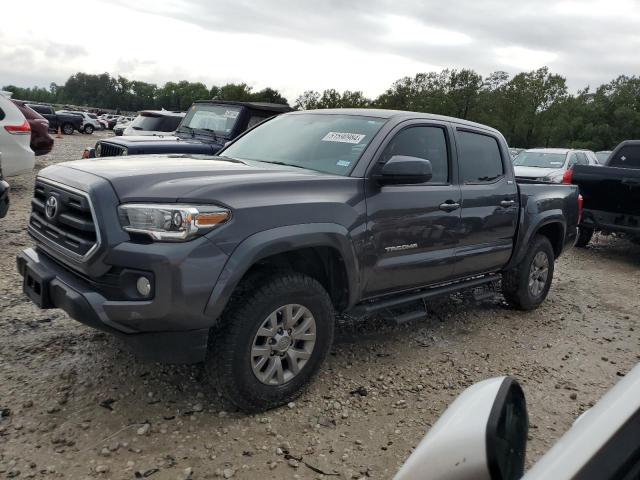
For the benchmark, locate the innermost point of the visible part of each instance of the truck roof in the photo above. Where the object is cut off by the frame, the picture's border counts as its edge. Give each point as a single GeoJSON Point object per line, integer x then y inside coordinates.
{"type": "Point", "coordinates": [272, 107]}
{"type": "Point", "coordinates": [388, 114]}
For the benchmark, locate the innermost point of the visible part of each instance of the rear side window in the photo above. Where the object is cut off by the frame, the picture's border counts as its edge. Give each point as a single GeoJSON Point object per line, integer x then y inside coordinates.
{"type": "Point", "coordinates": [157, 123]}
{"type": "Point", "coordinates": [1, 114]}
{"type": "Point", "coordinates": [626, 157]}
{"type": "Point", "coordinates": [428, 143]}
{"type": "Point", "coordinates": [479, 157]}
{"type": "Point", "coordinates": [582, 158]}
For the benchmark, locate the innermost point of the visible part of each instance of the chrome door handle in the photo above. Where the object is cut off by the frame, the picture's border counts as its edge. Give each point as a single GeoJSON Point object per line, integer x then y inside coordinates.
{"type": "Point", "coordinates": [449, 207]}
{"type": "Point", "coordinates": [507, 203]}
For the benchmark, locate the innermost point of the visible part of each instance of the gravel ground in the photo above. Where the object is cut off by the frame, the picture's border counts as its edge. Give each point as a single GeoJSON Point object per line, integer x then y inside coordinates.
{"type": "Point", "coordinates": [75, 404]}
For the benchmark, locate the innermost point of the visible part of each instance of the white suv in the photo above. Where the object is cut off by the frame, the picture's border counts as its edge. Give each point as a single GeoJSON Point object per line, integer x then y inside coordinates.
{"type": "Point", "coordinates": [89, 121]}
{"type": "Point", "coordinates": [15, 138]}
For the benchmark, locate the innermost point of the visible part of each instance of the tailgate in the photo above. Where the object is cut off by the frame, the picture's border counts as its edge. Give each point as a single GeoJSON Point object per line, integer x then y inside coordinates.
{"type": "Point", "coordinates": [609, 189]}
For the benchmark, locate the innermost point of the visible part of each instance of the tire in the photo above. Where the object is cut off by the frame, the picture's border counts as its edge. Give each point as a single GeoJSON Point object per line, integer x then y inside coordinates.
{"type": "Point", "coordinates": [88, 129]}
{"type": "Point", "coordinates": [67, 129]}
{"type": "Point", "coordinates": [230, 362]}
{"type": "Point", "coordinates": [584, 237]}
{"type": "Point", "coordinates": [517, 286]}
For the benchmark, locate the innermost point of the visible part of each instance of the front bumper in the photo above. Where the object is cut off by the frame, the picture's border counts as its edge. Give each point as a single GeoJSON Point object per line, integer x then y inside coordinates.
{"type": "Point", "coordinates": [170, 326]}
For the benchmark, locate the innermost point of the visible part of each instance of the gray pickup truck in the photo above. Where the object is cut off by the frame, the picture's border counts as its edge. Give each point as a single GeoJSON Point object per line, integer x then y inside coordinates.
{"type": "Point", "coordinates": [241, 260]}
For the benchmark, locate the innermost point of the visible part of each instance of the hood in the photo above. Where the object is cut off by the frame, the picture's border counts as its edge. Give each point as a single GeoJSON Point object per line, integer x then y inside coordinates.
{"type": "Point", "coordinates": [133, 139]}
{"type": "Point", "coordinates": [172, 178]}
{"type": "Point", "coordinates": [536, 172]}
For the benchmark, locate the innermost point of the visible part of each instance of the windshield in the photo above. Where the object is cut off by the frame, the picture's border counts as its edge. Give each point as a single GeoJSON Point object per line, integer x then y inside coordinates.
{"type": "Point", "coordinates": [150, 122]}
{"type": "Point", "coordinates": [325, 143]}
{"type": "Point", "coordinates": [540, 159]}
{"type": "Point", "coordinates": [219, 119]}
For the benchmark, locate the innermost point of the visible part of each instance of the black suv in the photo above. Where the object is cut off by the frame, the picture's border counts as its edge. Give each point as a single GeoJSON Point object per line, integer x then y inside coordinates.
{"type": "Point", "coordinates": [206, 128]}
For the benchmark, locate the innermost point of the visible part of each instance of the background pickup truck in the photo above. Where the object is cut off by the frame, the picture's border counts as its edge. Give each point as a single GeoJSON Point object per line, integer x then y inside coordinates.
{"type": "Point", "coordinates": [67, 122]}
{"type": "Point", "coordinates": [611, 194]}
{"type": "Point", "coordinates": [241, 260]}
{"type": "Point", "coordinates": [205, 129]}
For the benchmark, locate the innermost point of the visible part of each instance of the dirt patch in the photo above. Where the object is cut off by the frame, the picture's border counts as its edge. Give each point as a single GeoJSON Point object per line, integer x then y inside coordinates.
{"type": "Point", "coordinates": [75, 404]}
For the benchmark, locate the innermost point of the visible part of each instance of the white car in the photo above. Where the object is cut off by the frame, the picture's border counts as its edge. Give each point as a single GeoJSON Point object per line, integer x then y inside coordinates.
{"type": "Point", "coordinates": [89, 121]}
{"type": "Point", "coordinates": [483, 436]}
{"type": "Point", "coordinates": [15, 138]}
{"type": "Point", "coordinates": [154, 122]}
{"type": "Point", "coordinates": [550, 164]}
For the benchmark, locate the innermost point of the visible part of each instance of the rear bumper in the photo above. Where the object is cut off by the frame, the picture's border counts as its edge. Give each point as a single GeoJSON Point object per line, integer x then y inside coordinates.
{"type": "Point", "coordinates": [169, 327]}
{"type": "Point", "coordinates": [611, 222]}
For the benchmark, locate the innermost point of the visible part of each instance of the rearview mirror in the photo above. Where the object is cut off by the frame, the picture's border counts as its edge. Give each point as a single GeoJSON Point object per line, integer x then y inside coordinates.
{"type": "Point", "coordinates": [482, 435]}
{"type": "Point", "coordinates": [401, 169]}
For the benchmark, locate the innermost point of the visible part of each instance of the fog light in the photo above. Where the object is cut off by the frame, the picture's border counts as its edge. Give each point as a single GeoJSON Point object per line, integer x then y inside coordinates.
{"type": "Point", "coordinates": [144, 286]}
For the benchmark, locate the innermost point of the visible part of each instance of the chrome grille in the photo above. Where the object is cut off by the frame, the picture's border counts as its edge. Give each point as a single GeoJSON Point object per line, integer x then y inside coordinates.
{"type": "Point", "coordinates": [62, 217]}
{"type": "Point", "coordinates": [110, 150]}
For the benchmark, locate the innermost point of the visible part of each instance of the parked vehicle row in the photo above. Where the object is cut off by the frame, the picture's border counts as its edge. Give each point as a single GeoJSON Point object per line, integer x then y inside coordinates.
{"type": "Point", "coordinates": [15, 140]}
{"type": "Point", "coordinates": [67, 123]}
{"type": "Point", "coordinates": [240, 260]}
{"type": "Point", "coordinates": [41, 141]}
{"type": "Point", "coordinates": [550, 164]}
{"type": "Point", "coordinates": [204, 129]}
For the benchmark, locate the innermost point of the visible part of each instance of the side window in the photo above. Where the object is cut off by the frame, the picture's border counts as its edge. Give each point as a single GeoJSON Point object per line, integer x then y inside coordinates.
{"type": "Point", "coordinates": [479, 157]}
{"type": "Point", "coordinates": [627, 157]}
{"type": "Point", "coordinates": [257, 118]}
{"type": "Point", "coordinates": [573, 159]}
{"type": "Point", "coordinates": [429, 143]}
{"type": "Point", "coordinates": [582, 158]}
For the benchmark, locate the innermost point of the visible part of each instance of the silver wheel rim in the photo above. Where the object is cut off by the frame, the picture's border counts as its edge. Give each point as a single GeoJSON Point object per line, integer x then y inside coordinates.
{"type": "Point", "coordinates": [538, 274]}
{"type": "Point", "coordinates": [283, 344]}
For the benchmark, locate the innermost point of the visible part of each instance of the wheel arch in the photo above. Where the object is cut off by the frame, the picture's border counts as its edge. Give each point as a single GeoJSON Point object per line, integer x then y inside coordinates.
{"type": "Point", "coordinates": [551, 224]}
{"type": "Point", "coordinates": [322, 251]}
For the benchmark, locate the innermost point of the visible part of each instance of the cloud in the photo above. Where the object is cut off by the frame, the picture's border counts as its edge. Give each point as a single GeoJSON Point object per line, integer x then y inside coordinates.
{"type": "Point", "coordinates": [294, 45]}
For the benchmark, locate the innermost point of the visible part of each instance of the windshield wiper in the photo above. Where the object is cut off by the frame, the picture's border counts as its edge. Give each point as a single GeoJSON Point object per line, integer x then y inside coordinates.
{"type": "Point", "coordinates": [188, 129]}
{"type": "Point", "coordinates": [282, 163]}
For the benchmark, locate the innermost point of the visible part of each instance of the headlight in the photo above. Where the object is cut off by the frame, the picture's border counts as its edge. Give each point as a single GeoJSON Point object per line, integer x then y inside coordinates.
{"type": "Point", "coordinates": [171, 223]}
{"type": "Point", "coordinates": [98, 149]}
{"type": "Point", "coordinates": [125, 151]}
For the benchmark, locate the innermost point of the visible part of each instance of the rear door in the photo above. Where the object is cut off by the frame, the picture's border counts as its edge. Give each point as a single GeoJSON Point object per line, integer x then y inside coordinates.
{"type": "Point", "coordinates": [412, 228]}
{"type": "Point", "coordinates": [489, 203]}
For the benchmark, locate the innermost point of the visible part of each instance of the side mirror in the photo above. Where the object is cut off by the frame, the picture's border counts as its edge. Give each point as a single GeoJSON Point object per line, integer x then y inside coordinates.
{"type": "Point", "coordinates": [401, 169]}
{"type": "Point", "coordinates": [482, 435]}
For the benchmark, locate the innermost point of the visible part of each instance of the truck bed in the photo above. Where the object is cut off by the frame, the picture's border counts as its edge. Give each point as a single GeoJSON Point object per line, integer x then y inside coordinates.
{"type": "Point", "coordinates": [609, 189]}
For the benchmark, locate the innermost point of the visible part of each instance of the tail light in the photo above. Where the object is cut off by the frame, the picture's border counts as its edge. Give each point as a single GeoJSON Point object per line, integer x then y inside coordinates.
{"type": "Point", "coordinates": [580, 207]}
{"type": "Point", "coordinates": [23, 129]}
{"type": "Point", "coordinates": [568, 175]}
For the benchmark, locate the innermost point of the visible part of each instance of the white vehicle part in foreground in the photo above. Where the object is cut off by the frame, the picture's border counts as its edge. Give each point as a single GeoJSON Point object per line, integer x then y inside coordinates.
{"type": "Point", "coordinates": [464, 444]}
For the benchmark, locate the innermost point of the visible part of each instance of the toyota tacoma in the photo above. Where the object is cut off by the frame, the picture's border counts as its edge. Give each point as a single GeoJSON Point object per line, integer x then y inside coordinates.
{"type": "Point", "coordinates": [242, 260]}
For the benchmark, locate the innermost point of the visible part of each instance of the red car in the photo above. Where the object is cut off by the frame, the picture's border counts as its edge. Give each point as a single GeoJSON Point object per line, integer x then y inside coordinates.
{"type": "Point", "coordinates": [41, 141]}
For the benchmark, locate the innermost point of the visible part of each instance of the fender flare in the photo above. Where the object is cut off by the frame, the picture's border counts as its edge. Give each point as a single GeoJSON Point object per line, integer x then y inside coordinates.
{"type": "Point", "coordinates": [528, 230]}
{"type": "Point", "coordinates": [280, 240]}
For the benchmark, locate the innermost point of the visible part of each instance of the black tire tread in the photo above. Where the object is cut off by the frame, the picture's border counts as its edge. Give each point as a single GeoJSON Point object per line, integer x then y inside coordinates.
{"type": "Point", "coordinates": [253, 290]}
{"type": "Point", "coordinates": [514, 282]}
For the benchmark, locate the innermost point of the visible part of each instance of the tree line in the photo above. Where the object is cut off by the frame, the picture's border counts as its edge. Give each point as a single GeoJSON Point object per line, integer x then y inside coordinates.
{"type": "Point", "coordinates": [532, 109]}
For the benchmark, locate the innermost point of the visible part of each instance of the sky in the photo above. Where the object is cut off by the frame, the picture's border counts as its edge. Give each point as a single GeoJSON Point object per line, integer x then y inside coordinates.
{"type": "Point", "coordinates": [297, 45]}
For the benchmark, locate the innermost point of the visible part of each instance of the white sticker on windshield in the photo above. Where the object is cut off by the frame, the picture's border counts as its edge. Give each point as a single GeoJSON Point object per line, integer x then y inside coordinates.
{"type": "Point", "coordinates": [555, 163]}
{"type": "Point", "coordinates": [343, 137]}
{"type": "Point", "coordinates": [343, 163]}
{"type": "Point", "coordinates": [231, 114]}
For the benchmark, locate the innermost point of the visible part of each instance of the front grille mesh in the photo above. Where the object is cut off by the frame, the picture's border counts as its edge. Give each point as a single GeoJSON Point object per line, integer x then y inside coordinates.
{"type": "Point", "coordinates": [110, 150]}
{"type": "Point", "coordinates": [71, 227]}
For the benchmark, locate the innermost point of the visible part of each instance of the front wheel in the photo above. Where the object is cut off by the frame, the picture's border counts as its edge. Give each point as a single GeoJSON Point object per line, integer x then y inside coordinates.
{"type": "Point", "coordinates": [584, 236]}
{"type": "Point", "coordinates": [273, 338]}
{"type": "Point", "coordinates": [526, 286]}
{"type": "Point", "coordinates": [88, 129]}
{"type": "Point", "coordinates": [67, 129]}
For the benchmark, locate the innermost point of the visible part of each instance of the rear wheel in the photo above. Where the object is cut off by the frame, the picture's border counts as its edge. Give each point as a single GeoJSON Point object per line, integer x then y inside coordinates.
{"type": "Point", "coordinates": [67, 129]}
{"type": "Point", "coordinates": [584, 236]}
{"type": "Point", "coordinates": [273, 338]}
{"type": "Point", "coordinates": [527, 286]}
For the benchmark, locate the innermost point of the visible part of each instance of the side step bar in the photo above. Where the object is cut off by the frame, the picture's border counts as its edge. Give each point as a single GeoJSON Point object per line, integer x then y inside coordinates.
{"type": "Point", "coordinates": [364, 309]}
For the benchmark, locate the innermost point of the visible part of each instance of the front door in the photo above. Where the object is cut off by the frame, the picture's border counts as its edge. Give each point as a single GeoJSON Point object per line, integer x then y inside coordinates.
{"type": "Point", "coordinates": [412, 228]}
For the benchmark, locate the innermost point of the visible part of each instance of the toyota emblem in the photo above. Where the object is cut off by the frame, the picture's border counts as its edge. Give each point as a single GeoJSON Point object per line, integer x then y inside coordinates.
{"type": "Point", "coordinates": [51, 207]}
